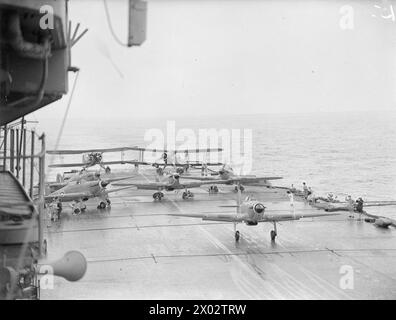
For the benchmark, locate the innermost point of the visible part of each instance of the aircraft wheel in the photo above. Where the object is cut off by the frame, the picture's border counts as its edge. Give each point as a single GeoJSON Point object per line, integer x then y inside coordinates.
{"type": "Point", "coordinates": [158, 196]}
{"type": "Point", "coordinates": [242, 188]}
{"type": "Point", "coordinates": [108, 202]}
{"type": "Point", "coordinates": [83, 208]}
{"type": "Point", "coordinates": [102, 205]}
{"type": "Point", "coordinates": [215, 189]}
{"type": "Point", "coordinates": [76, 211]}
{"type": "Point", "coordinates": [273, 235]}
{"type": "Point", "coordinates": [45, 247]}
{"type": "Point", "coordinates": [184, 195]}
{"type": "Point", "coordinates": [237, 236]}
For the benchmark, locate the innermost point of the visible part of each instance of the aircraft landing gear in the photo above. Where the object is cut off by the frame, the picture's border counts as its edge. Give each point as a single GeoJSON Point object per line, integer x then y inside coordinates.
{"type": "Point", "coordinates": [187, 194]}
{"type": "Point", "coordinates": [273, 233]}
{"type": "Point", "coordinates": [213, 189]}
{"type": "Point", "coordinates": [76, 211]}
{"type": "Point", "coordinates": [108, 202]}
{"type": "Point", "coordinates": [237, 234]}
{"type": "Point", "coordinates": [241, 187]}
{"type": "Point", "coordinates": [102, 205]}
{"type": "Point", "coordinates": [158, 196]}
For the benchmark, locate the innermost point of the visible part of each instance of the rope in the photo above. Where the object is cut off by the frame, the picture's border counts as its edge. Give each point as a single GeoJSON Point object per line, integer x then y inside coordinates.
{"type": "Point", "coordinates": [111, 26]}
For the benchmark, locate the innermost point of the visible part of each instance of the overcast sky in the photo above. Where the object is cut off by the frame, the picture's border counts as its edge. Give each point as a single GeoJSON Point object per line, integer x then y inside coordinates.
{"type": "Point", "coordinates": [238, 57]}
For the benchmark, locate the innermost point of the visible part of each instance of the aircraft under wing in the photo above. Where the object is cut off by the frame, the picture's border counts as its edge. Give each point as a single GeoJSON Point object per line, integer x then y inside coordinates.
{"type": "Point", "coordinates": [215, 179]}
{"type": "Point", "coordinates": [164, 185]}
{"type": "Point", "coordinates": [268, 217]}
{"type": "Point", "coordinates": [288, 215]}
{"type": "Point", "coordinates": [225, 217]}
{"type": "Point", "coordinates": [78, 196]}
{"type": "Point", "coordinates": [66, 197]}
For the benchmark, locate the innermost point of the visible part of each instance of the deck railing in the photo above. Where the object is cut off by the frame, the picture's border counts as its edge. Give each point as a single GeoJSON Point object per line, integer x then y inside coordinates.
{"type": "Point", "coordinates": [19, 156]}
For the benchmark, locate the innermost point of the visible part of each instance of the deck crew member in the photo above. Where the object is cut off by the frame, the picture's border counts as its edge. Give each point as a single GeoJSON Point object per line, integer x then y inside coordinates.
{"type": "Point", "coordinates": [351, 205]}
{"type": "Point", "coordinates": [311, 197]}
{"type": "Point", "coordinates": [359, 206]}
{"type": "Point", "coordinates": [291, 198]}
{"type": "Point", "coordinates": [305, 190]}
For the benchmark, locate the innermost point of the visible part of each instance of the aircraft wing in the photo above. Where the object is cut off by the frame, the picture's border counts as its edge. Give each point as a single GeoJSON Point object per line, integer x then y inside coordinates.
{"type": "Point", "coordinates": [143, 185]}
{"type": "Point", "coordinates": [57, 184]}
{"type": "Point", "coordinates": [225, 217]}
{"type": "Point", "coordinates": [197, 184]}
{"type": "Point", "coordinates": [117, 189]}
{"type": "Point", "coordinates": [247, 180]}
{"type": "Point", "coordinates": [66, 197]}
{"type": "Point", "coordinates": [119, 149]}
{"type": "Point", "coordinates": [287, 215]}
{"type": "Point", "coordinates": [63, 152]}
{"type": "Point", "coordinates": [201, 178]}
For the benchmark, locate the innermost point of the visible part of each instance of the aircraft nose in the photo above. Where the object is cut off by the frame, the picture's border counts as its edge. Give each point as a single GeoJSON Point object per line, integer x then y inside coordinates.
{"type": "Point", "coordinates": [259, 208]}
{"type": "Point", "coordinates": [103, 184]}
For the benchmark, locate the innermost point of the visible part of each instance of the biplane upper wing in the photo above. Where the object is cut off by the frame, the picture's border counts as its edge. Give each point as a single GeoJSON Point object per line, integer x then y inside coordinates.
{"type": "Point", "coordinates": [143, 185]}
{"type": "Point", "coordinates": [119, 149]}
{"type": "Point", "coordinates": [64, 152]}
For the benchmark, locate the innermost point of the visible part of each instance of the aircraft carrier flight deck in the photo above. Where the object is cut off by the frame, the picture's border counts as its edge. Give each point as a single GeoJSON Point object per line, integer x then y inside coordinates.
{"type": "Point", "coordinates": [137, 250]}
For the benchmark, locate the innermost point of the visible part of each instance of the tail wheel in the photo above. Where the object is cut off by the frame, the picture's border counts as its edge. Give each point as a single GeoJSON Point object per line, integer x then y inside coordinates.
{"type": "Point", "coordinates": [237, 236]}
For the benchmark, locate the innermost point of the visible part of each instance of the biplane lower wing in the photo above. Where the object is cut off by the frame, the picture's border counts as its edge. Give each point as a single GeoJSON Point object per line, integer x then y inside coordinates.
{"type": "Point", "coordinates": [67, 165]}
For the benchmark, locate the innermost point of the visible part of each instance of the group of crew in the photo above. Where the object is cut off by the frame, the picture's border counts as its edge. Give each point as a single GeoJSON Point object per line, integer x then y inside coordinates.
{"type": "Point", "coordinates": [309, 196]}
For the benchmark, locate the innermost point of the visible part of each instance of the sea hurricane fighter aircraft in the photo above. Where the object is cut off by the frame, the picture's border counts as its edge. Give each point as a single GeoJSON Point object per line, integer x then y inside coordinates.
{"type": "Point", "coordinates": [252, 212]}
{"type": "Point", "coordinates": [169, 183]}
{"type": "Point", "coordinates": [78, 193]}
